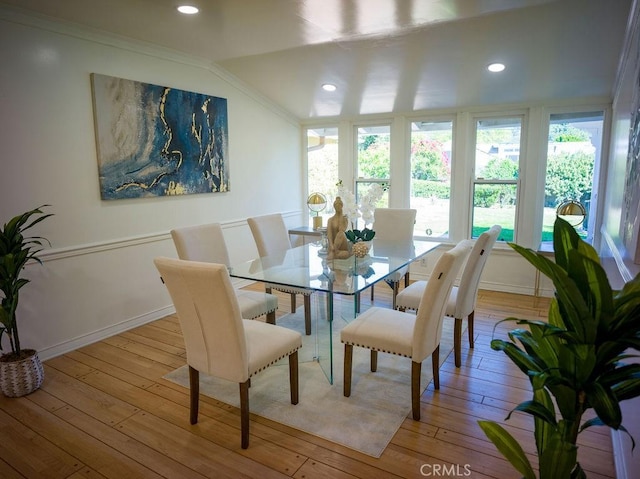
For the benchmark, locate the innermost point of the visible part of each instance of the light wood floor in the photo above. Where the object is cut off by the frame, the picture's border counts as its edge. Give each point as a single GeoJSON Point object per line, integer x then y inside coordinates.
{"type": "Point", "coordinates": [105, 411]}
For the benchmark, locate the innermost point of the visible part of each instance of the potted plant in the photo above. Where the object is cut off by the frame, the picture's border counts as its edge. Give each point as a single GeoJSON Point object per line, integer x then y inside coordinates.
{"type": "Point", "coordinates": [575, 361]}
{"type": "Point", "coordinates": [360, 238]}
{"type": "Point", "coordinates": [21, 371]}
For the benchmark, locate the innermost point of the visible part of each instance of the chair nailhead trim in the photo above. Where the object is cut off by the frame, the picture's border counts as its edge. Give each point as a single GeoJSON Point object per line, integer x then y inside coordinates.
{"type": "Point", "coordinates": [409, 307]}
{"type": "Point", "coordinates": [262, 314]}
{"type": "Point", "coordinates": [285, 290]}
{"type": "Point", "coordinates": [377, 349]}
{"type": "Point", "coordinates": [274, 361]}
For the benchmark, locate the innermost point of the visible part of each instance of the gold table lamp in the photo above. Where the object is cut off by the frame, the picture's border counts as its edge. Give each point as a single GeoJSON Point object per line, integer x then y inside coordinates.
{"type": "Point", "coordinates": [572, 212]}
{"type": "Point", "coordinates": [316, 203]}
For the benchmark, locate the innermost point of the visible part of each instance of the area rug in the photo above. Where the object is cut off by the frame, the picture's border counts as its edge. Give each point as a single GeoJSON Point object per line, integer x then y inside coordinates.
{"type": "Point", "coordinates": [365, 422]}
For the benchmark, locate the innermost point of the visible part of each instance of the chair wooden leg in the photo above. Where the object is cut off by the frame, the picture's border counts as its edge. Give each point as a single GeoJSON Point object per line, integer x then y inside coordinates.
{"type": "Point", "coordinates": [194, 392]}
{"type": "Point", "coordinates": [244, 414]}
{"type": "Point", "coordinates": [293, 377]}
{"type": "Point", "coordinates": [293, 302]}
{"type": "Point", "coordinates": [470, 328]}
{"type": "Point", "coordinates": [307, 314]}
{"type": "Point", "coordinates": [435, 367]}
{"type": "Point", "coordinates": [348, 358]}
{"type": "Point", "coordinates": [271, 317]}
{"type": "Point", "coordinates": [416, 370]}
{"type": "Point", "coordinates": [374, 360]}
{"type": "Point", "coordinates": [406, 280]}
{"type": "Point", "coordinates": [457, 341]}
{"type": "Point", "coordinates": [395, 286]}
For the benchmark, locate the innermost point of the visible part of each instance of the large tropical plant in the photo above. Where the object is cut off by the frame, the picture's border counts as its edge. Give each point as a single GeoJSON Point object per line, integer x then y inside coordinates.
{"type": "Point", "coordinates": [16, 250]}
{"type": "Point", "coordinates": [575, 361]}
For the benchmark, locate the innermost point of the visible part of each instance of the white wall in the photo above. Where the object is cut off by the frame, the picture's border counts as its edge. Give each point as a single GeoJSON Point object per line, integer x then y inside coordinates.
{"type": "Point", "coordinates": [621, 123]}
{"type": "Point", "coordinates": [99, 278]}
{"type": "Point", "coordinates": [618, 262]}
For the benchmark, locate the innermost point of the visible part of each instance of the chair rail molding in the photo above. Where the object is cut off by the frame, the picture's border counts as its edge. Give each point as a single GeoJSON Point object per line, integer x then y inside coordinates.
{"type": "Point", "coordinates": [55, 254]}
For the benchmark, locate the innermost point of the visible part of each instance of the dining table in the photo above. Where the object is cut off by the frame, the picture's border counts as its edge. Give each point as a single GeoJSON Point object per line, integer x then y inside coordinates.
{"type": "Point", "coordinates": [336, 284]}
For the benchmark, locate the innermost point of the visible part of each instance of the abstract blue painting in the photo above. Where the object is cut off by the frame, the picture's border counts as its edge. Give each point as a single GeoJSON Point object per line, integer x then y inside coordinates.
{"type": "Point", "coordinates": [155, 141]}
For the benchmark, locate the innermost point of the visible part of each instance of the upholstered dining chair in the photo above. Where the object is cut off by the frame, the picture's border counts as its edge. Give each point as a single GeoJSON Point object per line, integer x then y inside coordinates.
{"type": "Point", "coordinates": [462, 301]}
{"type": "Point", "coordinates": [218, 341]}
{"type": "Point", "coordinates": [206, 243]}
{"type": "Point", "coordinates": [272, 238]}
{"type": "Point", "coordinates": [394, 225]}
{"type": "Point", "coordinates": [415, 336]}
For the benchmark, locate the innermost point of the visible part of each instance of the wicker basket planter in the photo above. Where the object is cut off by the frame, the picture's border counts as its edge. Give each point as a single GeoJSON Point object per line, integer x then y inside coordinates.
{"type": "Point", "coordinates": [21, 377]}
{"type": "Point", "coordinates": [20, 370]}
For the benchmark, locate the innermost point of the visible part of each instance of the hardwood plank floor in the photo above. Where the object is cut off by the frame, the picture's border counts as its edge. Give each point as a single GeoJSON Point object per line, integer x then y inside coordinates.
{"type": "Point", "coordinates": [104, 411]}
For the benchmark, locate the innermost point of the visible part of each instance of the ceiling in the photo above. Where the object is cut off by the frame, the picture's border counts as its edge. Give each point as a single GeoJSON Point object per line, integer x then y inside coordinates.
{"type": "Point", "coordinates": [383, 55]}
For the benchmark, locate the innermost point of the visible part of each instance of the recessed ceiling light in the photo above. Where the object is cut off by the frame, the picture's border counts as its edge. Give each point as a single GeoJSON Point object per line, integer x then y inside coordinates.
{"type": "Point", "coordinates": [328, 87]}
{"type": "Point", "coordinates": [188, 9]}
{"type": "Point", "coordinates": [496, 67]}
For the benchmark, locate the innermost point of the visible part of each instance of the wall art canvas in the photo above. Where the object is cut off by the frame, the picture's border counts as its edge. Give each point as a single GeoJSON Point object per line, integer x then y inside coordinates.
{"type": "Point", "coordinates": [155, 140]}
{"type": "Point", "coordinates": [630, 225]}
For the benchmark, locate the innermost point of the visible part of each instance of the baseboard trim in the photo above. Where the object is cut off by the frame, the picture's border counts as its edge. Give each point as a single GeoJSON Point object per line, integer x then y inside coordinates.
{"type": "Point", "coordinates": [99, 335]}
{"type": "Point", "coordinates": [618, 458]}
{"type": "Point", "coordinates": [501, 287]}
{"type": "Point", "coordinates": [132, 323]}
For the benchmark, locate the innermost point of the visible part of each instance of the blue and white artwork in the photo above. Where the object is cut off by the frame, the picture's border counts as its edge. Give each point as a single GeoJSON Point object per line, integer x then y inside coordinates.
{"type": "Point", "coordinates": [156, 141]}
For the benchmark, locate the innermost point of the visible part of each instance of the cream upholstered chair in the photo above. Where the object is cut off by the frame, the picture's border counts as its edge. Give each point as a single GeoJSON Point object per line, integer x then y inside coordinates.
{"type": "Point", "coordinates": [218, 341]}
{"type": "Point", "coordinates": [462, 302]}
{"type": "Point", "coordinates": [206, 243]}
{"type": "Point", "coordinates": [415, 336]}
{"type": "Point", "coordinates": [394, 225]}
{"type": "Point", "coordinates": [272, 238]}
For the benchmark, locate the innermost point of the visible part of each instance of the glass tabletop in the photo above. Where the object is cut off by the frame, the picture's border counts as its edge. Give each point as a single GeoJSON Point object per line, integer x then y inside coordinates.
{"type": "Point", "coordinates": [308, 268]}
{"type": "Point", "coordinates": [305, 267]}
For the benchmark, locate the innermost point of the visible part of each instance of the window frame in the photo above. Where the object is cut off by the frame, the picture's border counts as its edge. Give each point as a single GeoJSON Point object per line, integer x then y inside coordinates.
{"type": "Point", "coordinates": [361, 180]}
{"type": "Point", "coordinates": [532, 162]}
{"type": "Point", "coordinates": [601, 165]}
{"type": "Point", "coordinates": [518, 182]}
{"type": "Point", "coordinates": [453, 119]}
{"type": "Point", "coordinates": [328, 211]}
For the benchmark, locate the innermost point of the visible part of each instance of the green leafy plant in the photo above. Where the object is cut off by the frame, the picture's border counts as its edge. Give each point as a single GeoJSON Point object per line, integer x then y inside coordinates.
{"type": "Point", "coordinates": [365, 234]}
{"type": "Point", "coordinates": [16, 250]}
{"type": "Point", "coordinates": [575, 361]}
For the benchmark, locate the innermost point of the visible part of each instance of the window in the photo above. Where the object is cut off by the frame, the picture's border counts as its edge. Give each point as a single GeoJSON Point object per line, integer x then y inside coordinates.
{"type": "Point", "coordinates": [496, 167]}
{"type": "Point", "coordinates": [373, 164]}
{"type": "Point", "coordinates": [431, 144]}
{"type": "Point", "coordinates": [495, 185]}
{"type": "Point", "coordinates": [322, 163]}
{"type": "Point", "coordinates": [573, 152]}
